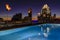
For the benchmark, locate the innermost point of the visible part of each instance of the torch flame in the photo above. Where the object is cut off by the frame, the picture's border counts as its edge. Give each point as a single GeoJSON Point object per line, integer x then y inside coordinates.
{"type": "Point", "coordinates": [8, 7]}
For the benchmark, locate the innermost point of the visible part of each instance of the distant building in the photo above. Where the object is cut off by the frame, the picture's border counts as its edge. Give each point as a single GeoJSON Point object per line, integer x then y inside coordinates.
{"type": "Point", "coordinates": [26, 19]}
{"type": "Point", "coordinates": [45, 15]}
{"type": "Point", "coordinates": [29, 17]}
{"type": "Point", "coordinates": [54, 16]}
{"type": "Point", "coordinates": [30, 14]}
{"type": "Point", "coordinates": [39, 18]}
{"type": "Point", "coordinates": [17, 17]}
{"type": "Point", "coordinates": [1, 19]}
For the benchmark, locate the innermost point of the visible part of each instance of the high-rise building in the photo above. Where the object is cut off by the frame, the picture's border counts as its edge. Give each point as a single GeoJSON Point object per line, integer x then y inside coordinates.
{"type": "Point", "coordinates": [46, 9]}
{"type": "Point", "coordinates": [17, 17]}
{"type": "Point", "coordinates": [30, 14]}
{"type": "Point", "coordinates": [54, 16]}
{"type": "Point", "coordinates": [46, 13]}
{"type": "Point", "coordinates": [38, 17]}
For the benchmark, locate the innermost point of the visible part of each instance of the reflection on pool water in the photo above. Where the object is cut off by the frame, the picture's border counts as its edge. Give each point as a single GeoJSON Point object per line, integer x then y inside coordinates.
{"type": "Point", "coordinates": [37, 32]}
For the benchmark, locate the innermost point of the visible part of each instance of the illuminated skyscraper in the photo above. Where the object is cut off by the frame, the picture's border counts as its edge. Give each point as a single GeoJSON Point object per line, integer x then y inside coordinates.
{"type": "Point", "coordinates": [46, 13]}
{"type": "Point", "coordinates": [30, 14]}
{"type": "Point", "coordinates": [46, 9]}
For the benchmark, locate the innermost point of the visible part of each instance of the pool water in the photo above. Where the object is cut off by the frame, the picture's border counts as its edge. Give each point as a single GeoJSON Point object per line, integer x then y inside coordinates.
{"type": "Point", "coordinates": [36, 32]}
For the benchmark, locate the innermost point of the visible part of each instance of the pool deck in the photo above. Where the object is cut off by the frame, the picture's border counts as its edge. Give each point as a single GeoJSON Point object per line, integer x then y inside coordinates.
{"type": "Point", "coordinates": [7, 27]}
{"type": "Point", "coordinates": [18, 26]}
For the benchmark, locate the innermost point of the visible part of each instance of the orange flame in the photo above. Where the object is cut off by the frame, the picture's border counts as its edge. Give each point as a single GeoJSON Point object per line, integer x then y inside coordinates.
{"type": "Point", "coordinates": [8, 7]}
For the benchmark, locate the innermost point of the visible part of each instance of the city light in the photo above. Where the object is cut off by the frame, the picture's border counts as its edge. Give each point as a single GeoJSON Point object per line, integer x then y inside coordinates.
{"type": "Point", "coordinates": [44, 15]}
{"type": "Point", "coordinates": [28, 11]}
{"type": "Point", "coordinates": [38, 14]}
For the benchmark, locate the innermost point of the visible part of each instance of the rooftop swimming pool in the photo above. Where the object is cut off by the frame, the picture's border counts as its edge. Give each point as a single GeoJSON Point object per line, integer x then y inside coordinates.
{"type": "Point", "coordinates": [36, 32]}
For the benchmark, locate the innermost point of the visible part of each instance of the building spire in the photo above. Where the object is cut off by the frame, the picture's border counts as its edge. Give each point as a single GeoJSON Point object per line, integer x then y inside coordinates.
{"type": "Point", "coordinates": [46, 9]}
{"type": "Point", "coordinates": [45, 6]}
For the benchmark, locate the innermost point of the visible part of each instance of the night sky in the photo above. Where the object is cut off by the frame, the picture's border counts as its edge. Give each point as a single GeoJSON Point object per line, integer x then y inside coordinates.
{"type": "Point", "coordinates": [23, 5]}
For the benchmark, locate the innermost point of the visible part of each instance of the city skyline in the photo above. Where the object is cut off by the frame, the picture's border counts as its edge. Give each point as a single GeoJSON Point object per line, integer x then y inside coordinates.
{"type": "Point", "coordinates": [22, 6]}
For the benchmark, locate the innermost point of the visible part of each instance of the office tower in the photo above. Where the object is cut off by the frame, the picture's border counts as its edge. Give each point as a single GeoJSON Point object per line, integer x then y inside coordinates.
{"type": "Point", "coordinates": [17, 17]}
{"type": "Point", "coordinates": [30, 14]}
{"type": "Point", "coordinates": [38, 17]}
{"type": "Point", "coordinates": [46, 13]}
{"type": "Point", "coordinates": [54, 16]}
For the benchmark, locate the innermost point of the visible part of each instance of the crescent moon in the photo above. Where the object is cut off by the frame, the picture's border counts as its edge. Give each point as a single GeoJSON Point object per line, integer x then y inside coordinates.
{"type": "Point", "coordinates": [8, 7]}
